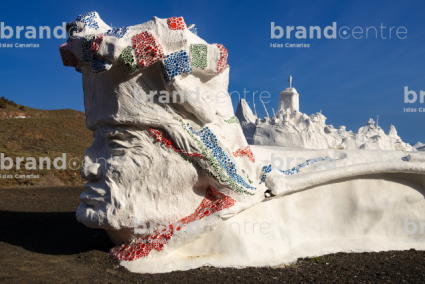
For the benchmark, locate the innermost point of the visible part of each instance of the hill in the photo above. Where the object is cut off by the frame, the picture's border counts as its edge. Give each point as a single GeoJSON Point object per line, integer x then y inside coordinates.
{"type": "Point", "coordinates": [42, 133]}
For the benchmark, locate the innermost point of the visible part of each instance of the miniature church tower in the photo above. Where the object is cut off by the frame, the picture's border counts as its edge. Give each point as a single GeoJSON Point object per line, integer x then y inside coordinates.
{"type": "Point", "coordinates": [289, 98]}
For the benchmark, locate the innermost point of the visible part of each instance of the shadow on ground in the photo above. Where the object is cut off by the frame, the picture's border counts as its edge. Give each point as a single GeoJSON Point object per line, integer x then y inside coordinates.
{"type": "Point", "coordinates": [52, 233]}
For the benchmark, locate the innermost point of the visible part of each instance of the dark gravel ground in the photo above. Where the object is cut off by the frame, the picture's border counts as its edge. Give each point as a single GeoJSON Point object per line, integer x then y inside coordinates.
{"type": "Point", "coordinates": [41, 242]}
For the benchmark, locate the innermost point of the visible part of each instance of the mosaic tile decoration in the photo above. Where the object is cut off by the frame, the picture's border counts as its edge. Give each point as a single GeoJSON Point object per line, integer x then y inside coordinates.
{"type": "Point", "coordinates": [210, 141]}
{"type": "Point", "coordinates": [222, 62]}
{"type": "Point", "coordinates": [95, 44]}
{"type": "Point", "coordinates": [148, 50]}
{"type": "Point", "coordinates": [213, 202]}
{"type": "Point", "coordinates": [193, 29]}
{"type": "Point", "coordinates": [127, 61]}
{"type": "Point", "coordinates": [118, 32]}
{"type": "Point", "coordinates": [89, 19]}
{"type": "Point", "coordinates": [176, 23]}
{"type": "Point", "coordinates": [98, 39]}
{"type": "Point", "coordinates": [233, 119]}
{"type": "Point", "coordinates": [99, 65]}
{"type": "Point", "coordinates": [294, 170]}
{"type": "Point", "coordinates": [199, 55]}
{"type": "Point", "coordinates": [72, 28]}
{"type": "Point", "coordinates": [86, 46]}
{"type": "Point", "coordinates": [247, 151]}
{"type": "Point", "coordinates": [247, 176]}
{"type": "Point", "coordinates": [175, 64]}
{"type": "Point", "coordinates": [68, 57]}
{"type": "Point", "coordinates": [215, 170]}
{"type": "Point", "coordinates": [166, 140]}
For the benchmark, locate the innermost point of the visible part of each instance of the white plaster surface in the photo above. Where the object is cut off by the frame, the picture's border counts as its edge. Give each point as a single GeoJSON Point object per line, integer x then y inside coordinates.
{"type": "Point", "coordinates": [355, 203]}
{"type": "Point", "coordinates": [419, 146]}
{"type": "Point", "coordinates": [292, 128]}
{"type": "Point", "coordinates": [367, 207]}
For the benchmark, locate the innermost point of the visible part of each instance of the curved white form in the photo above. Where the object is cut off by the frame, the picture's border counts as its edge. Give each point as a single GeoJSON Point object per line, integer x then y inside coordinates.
{"type": "Point", "coordinates": [351, 208]}
{"type": "Point", "coordinates": [170, 167]}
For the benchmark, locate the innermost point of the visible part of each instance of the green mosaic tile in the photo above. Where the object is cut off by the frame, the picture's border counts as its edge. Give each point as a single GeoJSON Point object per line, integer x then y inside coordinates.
{"type": "Point", "coordinates": [199, 55]}
{"type": "Point", "coordinates": [127, 61]}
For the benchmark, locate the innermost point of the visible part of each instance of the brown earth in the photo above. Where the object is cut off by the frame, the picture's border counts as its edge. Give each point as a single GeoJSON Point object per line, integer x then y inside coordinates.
{"type": "Point", "coordinates": [15, 111]}
{"type": "Point", "coordinates": [41, 242]}
{"type": "Point", "coordinates": [44, 133]}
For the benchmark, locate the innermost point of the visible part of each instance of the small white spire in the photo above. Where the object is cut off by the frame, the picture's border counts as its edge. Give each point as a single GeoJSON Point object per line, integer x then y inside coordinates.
{"type": "Point", "coordinates": [290, 81]}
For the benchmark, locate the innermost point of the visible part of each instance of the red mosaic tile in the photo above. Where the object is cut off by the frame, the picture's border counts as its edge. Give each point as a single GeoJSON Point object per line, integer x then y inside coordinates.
{"type": "Point", "coordinates": [96, 42]}
{"type": "Point", "coordinates": [68, 57]}
{"type": "Point", "coordinates": [166, 140]}
{"type": "Point", "coordinates": [222, 62]}
{"type": "Point", "coordinates": [247, 151]}
{"type": "Point", "coordinates": [148, 49]}
{"type": "Point", "coordinates": [213, 201]}
{"type": "Point", "coordinates": [176, 23]}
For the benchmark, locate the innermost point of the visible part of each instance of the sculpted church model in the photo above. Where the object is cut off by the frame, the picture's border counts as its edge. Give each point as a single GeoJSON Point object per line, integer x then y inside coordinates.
{"type": "Point", "coordinates": [292, 128]}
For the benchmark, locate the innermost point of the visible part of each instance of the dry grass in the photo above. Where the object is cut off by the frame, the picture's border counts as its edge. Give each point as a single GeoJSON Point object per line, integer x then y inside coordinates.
{"type": "Point", "coordinates": [50, 134]}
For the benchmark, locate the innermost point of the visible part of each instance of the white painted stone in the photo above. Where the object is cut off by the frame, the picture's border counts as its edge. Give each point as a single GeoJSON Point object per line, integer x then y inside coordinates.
{"type": "Point", "coordinates": [353, 206]}
{"type": "Point", "coordinates": [289, 99]}
{"type": "Point", "coordinates": [297, 129]}
{"type": "Point", "coordinates": [419, 146]}
{"type": "Point", "coordinates": [351, 201]}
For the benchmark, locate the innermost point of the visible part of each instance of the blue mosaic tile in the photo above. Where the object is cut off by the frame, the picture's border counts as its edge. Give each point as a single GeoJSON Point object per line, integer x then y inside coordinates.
{"type": "Point", "coordinates": [99, 65]}
{"type": "Point", "coordinates": [175, 64]}
{"type": "Point", "coordinates": [118, 33]}
{"type": "Point", "coordinates": [210, 140]}
{"type": "Point", "coordinates": [87, 57]}
{"type": "Point", "coordinates": [89, 19]}
{"type": "Point", "coordinates": [294, 170]}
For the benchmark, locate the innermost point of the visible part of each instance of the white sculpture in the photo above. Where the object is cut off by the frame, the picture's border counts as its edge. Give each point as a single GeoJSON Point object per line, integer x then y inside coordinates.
{"type": "Point", "coordinates": [289, 98]}
{"type": "Point", "coordinates": [312, 131]}
{"type": "Point", "coordinates": [159, 167]}
{"type": "Point", "coordinates": [419, 146]}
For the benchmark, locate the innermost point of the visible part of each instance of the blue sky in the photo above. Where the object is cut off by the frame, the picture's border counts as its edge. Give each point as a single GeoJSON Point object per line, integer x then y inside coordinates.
{"type": "Point", "coordinates": [350, 80]}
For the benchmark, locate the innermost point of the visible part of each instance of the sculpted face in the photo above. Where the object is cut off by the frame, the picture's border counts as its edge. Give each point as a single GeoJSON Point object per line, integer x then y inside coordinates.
{"type": "Point", "coordinates": [126, 179]}
{"type": "Point", "coordinates": [167, 145]}
{"type": "Point", "coordinates": [171, 163]}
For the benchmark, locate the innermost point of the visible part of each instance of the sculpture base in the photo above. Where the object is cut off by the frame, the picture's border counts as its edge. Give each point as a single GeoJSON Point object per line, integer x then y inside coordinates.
{"type": "Point", "coordinates": [377, 212]}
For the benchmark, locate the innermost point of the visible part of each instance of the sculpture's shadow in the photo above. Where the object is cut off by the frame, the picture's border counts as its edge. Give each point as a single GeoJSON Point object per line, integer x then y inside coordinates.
{"type": "Point", "coordinates": [54, 233]}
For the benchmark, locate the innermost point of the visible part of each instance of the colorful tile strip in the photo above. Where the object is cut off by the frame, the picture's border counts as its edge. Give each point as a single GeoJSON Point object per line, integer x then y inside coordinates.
{"type": "Point", "coordinates": [215, 170]}
{"type": "Point", "coordinates": [213, 202]}
{"type": "Point", "coordinates": [166, 140]}
{"type": "Point", "coordinates": [294, 170]}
